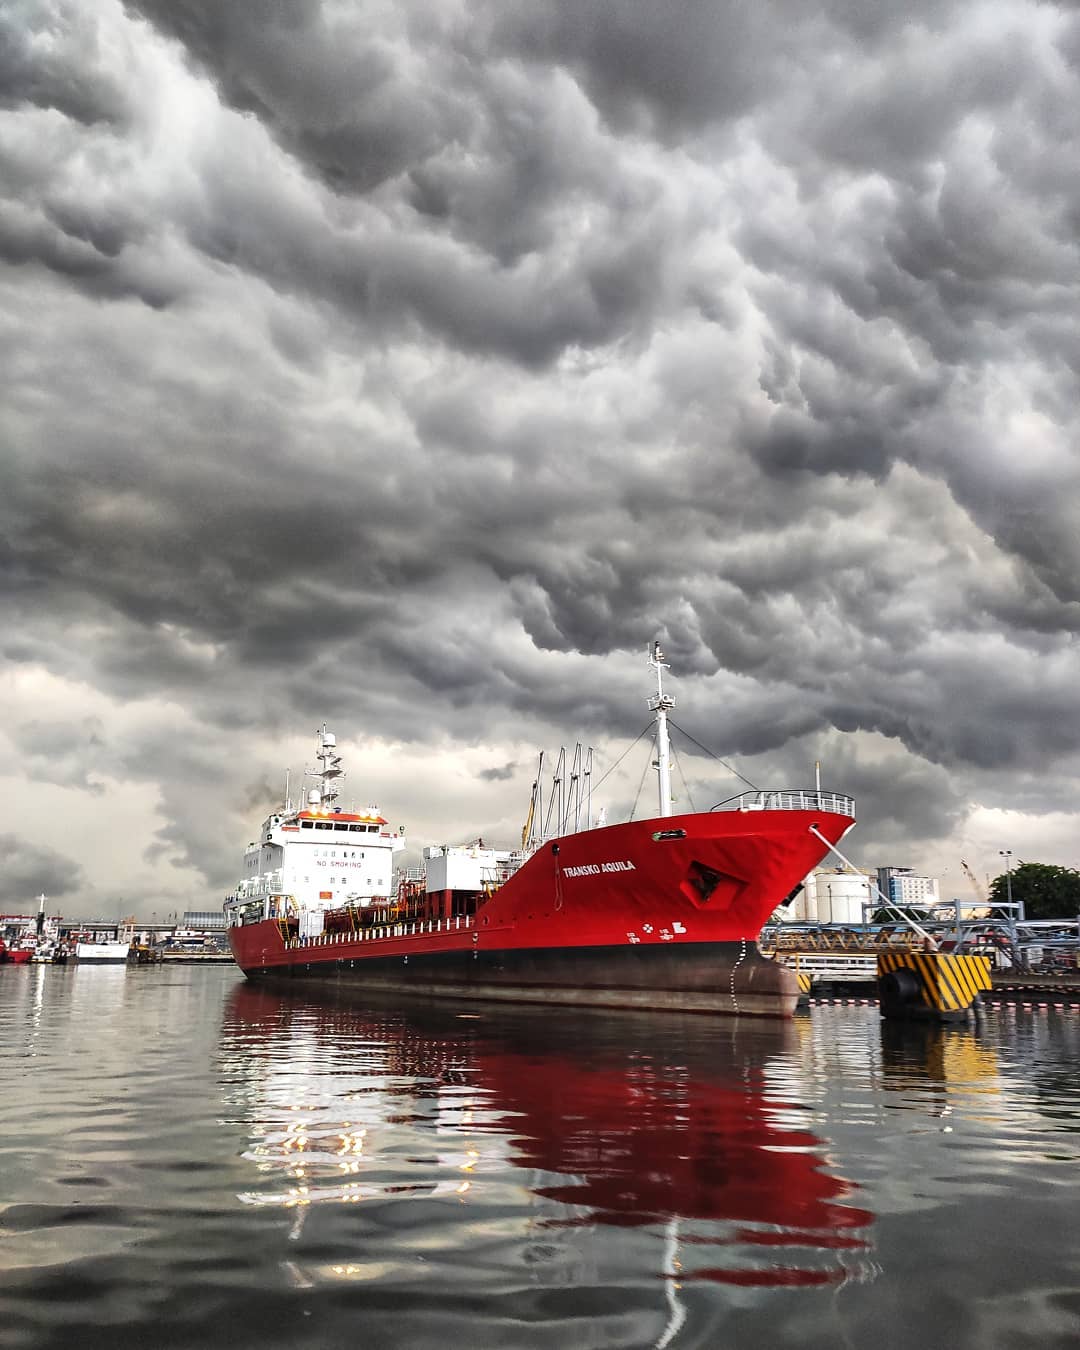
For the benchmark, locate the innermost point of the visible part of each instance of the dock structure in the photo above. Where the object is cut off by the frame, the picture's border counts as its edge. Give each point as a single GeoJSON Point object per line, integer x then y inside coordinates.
{"type": "Point", "coordinates": [831, 957]}
{"type": "Point", "coordinates": [939, 986]}
{"type": "Point", "coordinates": [843, 959]}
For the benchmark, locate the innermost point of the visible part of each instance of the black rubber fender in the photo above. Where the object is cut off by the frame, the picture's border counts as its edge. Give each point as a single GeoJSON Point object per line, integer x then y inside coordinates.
{"type": "Point", "coordinates": [897, 987]}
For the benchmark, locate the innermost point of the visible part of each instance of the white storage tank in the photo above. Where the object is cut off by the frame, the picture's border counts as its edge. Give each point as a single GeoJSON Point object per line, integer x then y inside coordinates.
{"type": "Point", "coordinates": [837, 897]}
{"type": "Point", "coordinates": [804, 906]}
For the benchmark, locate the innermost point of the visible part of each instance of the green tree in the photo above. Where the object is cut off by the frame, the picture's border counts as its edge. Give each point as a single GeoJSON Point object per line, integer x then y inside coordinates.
{"type": "Point", "coordinates": [1048, 892]}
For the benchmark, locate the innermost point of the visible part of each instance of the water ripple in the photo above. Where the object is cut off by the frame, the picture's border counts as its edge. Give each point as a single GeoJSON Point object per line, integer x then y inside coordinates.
{"type": "Point", "coordinates": [188, 1161]}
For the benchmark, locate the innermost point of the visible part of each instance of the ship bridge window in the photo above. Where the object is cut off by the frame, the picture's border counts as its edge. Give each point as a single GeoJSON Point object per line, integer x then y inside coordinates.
{"type": "Point", "coordinates": [324, 825]}
{"type": "Point", "coordinates": [358, 829]}
{"type": "Point", "coordinates": [340, 827]}
{"type": "Point", "coordinates": [307, 824]}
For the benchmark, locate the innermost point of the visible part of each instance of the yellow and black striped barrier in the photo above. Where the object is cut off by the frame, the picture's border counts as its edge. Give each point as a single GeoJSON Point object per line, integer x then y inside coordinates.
{"type": "Point", "coordinates": [930, 984]}
{"type": "Point", "coordinates": [805, 981]}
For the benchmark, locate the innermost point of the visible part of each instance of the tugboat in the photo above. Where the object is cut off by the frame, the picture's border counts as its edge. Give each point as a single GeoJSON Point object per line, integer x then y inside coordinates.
{"type": "Point", "coordinates": [49, 954]}
{"type": "Point", "coordinates": [662, 913]}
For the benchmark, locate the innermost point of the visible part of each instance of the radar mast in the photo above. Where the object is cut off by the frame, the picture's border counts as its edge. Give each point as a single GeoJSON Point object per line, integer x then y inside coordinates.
{"type": "Point", "coordinates": [328, 772]}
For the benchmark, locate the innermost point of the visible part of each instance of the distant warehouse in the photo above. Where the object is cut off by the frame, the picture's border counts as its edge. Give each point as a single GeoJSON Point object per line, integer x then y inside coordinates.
{"type": "Point", "coordinates": [209, 920]}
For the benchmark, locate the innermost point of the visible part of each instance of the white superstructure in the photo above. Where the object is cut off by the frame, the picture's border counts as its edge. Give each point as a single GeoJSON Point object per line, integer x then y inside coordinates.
{"type": "Point", "coordinates": [473, 867]}
{"type": "Point", "coordinates": [316, 859]}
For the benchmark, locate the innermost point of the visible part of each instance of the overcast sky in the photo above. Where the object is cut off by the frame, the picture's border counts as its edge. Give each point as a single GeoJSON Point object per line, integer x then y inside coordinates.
{"type": "Point", "coordinates": [409, 366]}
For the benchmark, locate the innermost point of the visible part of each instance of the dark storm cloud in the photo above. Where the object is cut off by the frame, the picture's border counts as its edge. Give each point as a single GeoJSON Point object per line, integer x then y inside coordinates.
{"type": "Point", "coordinates": [477, 161]}
{"type": "Point", "coordinates": [392, 359]}
{"type": "Point", "coordinates": [684, 66]}
{"type": "Point", "coordinates": [898, 796]}
{"type": "Point", "coordinates": [32, 869]}
{"type": "Point", "coordinates": [83, 252]}
{"type": "Point", "coordinates": [498, 774]}
{"type": "Point", "coordinates": [64, 753]}
{"type": "Point", "coordinates": [339, 91]}
{"type": "Point", "coordinates": [48, 59]}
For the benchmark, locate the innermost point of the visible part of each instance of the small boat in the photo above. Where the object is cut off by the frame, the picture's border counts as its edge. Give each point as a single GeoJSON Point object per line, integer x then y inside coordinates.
{"type": "Point", "coordinates": [49, 954]}
{"type": "Point", "coordinates": [102, 953]}
{"type": "Point", "coordinates": [34, 945]}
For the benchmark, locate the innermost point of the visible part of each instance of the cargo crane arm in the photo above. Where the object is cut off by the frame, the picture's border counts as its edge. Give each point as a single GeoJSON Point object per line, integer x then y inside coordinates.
{"type": "Point", "coordinates": [976, 884]}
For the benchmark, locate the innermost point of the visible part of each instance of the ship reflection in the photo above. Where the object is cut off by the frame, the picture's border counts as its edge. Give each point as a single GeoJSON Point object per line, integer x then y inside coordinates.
{"type": "Point", "coordinates": [668, 1125]}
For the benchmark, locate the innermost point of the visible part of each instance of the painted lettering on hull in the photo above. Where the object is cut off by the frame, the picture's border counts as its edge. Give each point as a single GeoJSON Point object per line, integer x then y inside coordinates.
{"type": "Point", "coordinates": [595, 869]}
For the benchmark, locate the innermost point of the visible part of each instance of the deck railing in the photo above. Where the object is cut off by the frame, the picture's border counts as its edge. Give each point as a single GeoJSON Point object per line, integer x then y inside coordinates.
{"type": "Point", "coordinates": [821, 966]}
{"type": "Point", "coordinates": [380, 932]}
{"type": "Point", "coordinates": [784, 799]}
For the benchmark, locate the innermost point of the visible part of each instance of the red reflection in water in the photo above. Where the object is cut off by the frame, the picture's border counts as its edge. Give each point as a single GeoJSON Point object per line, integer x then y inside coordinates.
{"type": "Point", "coordinates": [792, 1237]}
{"type": "Point", "coordinates": [641, 1140]}
{"type": "Point", "coordinates": [634, 1125]}
{"type": "Point", "coordinates": [773, 1276]}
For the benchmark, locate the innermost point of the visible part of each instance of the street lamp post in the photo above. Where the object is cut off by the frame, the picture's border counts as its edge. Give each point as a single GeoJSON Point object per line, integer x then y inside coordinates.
{"type": "Point", "coordinates": [1021, 956]}
{"type": "Point", "coordinates": [1006, 853]}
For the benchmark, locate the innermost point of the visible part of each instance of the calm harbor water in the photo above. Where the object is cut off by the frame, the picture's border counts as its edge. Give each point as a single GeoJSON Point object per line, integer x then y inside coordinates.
{"type": "Point", "coordinates": [188, 1161]}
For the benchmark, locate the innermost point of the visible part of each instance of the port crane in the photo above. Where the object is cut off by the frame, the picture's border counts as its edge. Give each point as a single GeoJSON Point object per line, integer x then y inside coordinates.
{"type": "Point", "coordinates": [976, 884]}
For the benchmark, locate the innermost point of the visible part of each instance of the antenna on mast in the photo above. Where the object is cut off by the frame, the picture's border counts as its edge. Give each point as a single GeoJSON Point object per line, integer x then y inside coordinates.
{"type": "Point", "coordinates": [328, 772]}
{"type": "Point", "coordinates": [659, 704]}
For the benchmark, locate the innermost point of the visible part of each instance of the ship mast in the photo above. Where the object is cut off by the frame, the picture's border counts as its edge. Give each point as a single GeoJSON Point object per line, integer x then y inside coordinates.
{"type": "Point", "coordinates": [328, 772]}
{"type": "Point", "coordinates": [659, 704]}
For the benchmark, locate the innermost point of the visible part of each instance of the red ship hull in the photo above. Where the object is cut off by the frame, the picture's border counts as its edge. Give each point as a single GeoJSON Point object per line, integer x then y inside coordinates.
{"type": "Point", "coordinates": [661, 913]}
